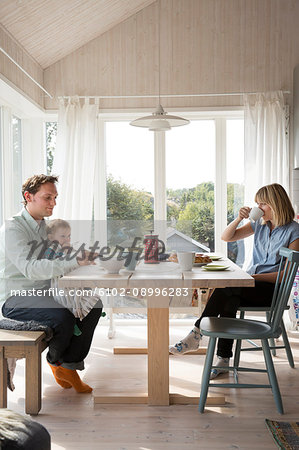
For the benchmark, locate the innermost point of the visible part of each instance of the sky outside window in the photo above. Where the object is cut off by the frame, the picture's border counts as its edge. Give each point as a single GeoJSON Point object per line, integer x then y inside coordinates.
{"type": "Point", "coordinates": [235, 150]}
{"type": "Point", "coordinates": [190, 154]}
{"type": "Point", "coordinates": [130, 155]}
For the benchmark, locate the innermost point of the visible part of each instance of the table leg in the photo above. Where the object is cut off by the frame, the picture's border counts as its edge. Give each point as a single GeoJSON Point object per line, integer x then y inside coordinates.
{"type": "Point", "coordinates": [158, 355]}
{"type": "Point", "coordinates": [3, 379]}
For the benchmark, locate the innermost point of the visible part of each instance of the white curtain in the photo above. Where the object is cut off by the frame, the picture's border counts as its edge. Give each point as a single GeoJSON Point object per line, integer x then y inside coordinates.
{"type": "Point", "coordinates": [266, 147]}
{"type": "Point", "coordinates": [75, 158]}
{"type": "Point", "coordinates": [266, 142]}
{"type": "Point", "coordinates": [266, 154]}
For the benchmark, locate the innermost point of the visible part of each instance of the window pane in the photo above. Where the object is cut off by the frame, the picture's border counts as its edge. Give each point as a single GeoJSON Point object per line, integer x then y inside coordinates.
{"type": "Point", "coordinates": [130, 182]}
{"type": "Point", "coordinates": [17, 162]}
{"type": "Point", "coordinates": [235, 181]}
{"type": "Point", "coordinates": [51, 135]}
{"type": "Point", "coordinates": [190, 179]}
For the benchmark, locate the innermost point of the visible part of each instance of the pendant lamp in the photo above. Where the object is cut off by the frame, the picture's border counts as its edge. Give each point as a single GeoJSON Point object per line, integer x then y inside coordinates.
{"type": "Point", "coordinates": [159, 120]}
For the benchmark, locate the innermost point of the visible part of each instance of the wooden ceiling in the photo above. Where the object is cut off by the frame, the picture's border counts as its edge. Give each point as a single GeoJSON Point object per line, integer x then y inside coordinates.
{"type": "Point", "coordinates": [51, 29]}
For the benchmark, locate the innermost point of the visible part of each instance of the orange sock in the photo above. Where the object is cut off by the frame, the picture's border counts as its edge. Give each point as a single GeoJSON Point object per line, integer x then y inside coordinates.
{"type": "Point", "coordinates": [72, 377]}
{"type": "Point", "coordinates": [61, 383]}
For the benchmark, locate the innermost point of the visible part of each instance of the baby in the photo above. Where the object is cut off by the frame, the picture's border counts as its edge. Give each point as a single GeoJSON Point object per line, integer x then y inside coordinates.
{"type": "Point", "coordinates": [59, 238]}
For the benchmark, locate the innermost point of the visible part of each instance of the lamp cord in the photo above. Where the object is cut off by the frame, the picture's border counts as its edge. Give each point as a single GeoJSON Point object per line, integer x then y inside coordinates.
{"type": "Point", "coordinates": [159, 51]}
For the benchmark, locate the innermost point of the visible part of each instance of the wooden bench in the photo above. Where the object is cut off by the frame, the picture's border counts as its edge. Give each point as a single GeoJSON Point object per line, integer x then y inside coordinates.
{"type": "Point", "coordinates": [28, 345]}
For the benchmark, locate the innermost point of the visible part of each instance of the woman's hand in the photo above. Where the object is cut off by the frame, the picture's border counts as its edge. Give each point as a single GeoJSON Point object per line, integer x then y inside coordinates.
{"type": "Point", "coordinates": [232, 232]}
{"type": "Point", "coordinates": [244, 213]}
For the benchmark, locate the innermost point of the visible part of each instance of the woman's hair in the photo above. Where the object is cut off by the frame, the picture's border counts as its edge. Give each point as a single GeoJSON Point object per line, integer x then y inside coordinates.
{"type": "Point", "coordinates": [53, 225]}
{"type": "Point", "coordinates": [276, 197]}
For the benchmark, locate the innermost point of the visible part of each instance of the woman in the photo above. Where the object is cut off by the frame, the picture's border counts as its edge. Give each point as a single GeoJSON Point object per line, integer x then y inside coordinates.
{"type": "Point", "coordinates": [274, 230]}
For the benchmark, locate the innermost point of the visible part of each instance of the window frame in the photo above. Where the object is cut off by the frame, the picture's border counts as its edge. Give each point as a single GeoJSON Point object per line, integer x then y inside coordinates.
{"type": "Point", "coordinates": [160, 211]}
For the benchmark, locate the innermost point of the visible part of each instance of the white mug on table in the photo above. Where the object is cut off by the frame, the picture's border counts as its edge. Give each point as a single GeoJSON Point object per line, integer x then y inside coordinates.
{"type": "Point", "coordinates": [186, 260]}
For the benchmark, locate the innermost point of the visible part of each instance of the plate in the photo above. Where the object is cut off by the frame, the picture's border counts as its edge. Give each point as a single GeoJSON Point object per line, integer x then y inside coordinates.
{"type": "Point", "coordinates": [215, 257]}
{"type": "Point", "coordinates": [199, 264]}
{"type": "Point", "coordinates": [215, 267]}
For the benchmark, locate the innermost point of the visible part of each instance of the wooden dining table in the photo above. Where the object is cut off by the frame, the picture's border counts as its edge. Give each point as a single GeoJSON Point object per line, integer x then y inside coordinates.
{"type": "Point", "coordinates": [157, 283]}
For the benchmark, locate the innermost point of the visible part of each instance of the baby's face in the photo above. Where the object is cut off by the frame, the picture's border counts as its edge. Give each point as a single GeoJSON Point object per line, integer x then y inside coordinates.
{"type": "Point", "coordinates": [62, 235]}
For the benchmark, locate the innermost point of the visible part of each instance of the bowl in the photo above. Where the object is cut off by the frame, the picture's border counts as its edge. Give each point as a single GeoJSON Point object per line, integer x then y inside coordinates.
{"type": "Point", "coordinates": [112, 265]}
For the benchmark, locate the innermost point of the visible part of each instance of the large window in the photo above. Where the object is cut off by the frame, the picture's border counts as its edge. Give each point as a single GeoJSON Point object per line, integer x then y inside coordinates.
{"type": "Point", "coordinates": [17, 162]}
{"type": "Point", "coordinates": [204, 179]}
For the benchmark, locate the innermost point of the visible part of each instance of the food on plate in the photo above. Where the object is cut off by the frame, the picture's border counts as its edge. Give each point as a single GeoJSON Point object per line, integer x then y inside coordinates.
{"type": "Point", "coordinates": [173, 258]}
{"type": "Point", "coordinates": [201, 258]}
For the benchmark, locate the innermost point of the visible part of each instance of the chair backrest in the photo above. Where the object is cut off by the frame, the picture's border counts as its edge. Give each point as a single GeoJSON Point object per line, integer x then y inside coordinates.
{"type": "Point", "coordinates": [284, 282]}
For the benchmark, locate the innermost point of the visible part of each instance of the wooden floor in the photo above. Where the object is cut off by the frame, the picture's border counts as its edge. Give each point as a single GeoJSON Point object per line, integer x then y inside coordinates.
{"type": "Point", "coordinates": [75, 423]}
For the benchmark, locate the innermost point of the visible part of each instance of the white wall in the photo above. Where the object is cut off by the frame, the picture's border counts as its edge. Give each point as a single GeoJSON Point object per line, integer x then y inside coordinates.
{"type": "Point", "coordinates": [207, 46]}
{"type": "Point", "coordinates": [11, 74]}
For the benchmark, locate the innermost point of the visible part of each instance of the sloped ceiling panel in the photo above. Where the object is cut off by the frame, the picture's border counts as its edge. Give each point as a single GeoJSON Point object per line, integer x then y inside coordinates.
{"type": "Point", "coordinates": [50, 30]}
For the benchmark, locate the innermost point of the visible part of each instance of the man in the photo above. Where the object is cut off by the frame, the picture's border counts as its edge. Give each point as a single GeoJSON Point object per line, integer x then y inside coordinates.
{"type": "Point", "coordinates": [24, 270]}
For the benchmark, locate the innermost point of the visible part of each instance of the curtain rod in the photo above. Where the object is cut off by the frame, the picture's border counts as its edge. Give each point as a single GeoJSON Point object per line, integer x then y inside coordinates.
{"type": "Point", "coordinates": [26, 73]}
{"type": "Point", "coordinates": [164, 95]}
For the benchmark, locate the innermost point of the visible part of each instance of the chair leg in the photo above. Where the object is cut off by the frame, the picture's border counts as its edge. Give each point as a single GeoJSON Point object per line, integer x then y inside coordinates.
{"type": "Point", "coordinates": [238, 347]}
{"type": "Point", "coordinates": [237, 354]}
{"type": "Point", "coordinates": [111, 331]}
{"type": "Point", "coordinates": [287, 345]}
{"type": "Point", "coordinates": [272, 375]}
{"type": "Point", "coordinates": [206, 374]}
{"type": "Point", "coordinates": [272, 340]}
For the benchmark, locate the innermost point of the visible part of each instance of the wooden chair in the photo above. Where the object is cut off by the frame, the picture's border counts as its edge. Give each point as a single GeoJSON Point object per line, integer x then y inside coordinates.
{"type": "Point", "coordinates": [273, 345]}
{"type": "Point", "coordinates": [227, 328]}
{"type": "Point", "coordinates": [28, 345]}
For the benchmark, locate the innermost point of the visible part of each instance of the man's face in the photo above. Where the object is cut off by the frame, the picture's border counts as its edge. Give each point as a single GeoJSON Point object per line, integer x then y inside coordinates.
{"type": "Point", "coordinates": [41, 204]}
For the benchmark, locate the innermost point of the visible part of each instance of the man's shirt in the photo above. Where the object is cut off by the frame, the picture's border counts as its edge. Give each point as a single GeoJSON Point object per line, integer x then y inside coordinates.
{"type": "Point", "coordinates": [23, 242]}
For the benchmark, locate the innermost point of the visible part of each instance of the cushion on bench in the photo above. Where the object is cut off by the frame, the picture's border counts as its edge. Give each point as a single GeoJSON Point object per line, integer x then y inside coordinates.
{"type": "Point", "coordinates": [29, 325]}
{"type": "Point", "coordinates": [17, 325]}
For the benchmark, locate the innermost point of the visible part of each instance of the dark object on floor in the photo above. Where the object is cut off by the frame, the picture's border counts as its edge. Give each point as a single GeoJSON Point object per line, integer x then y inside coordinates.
{"type": "Point", "coordinates": [20, 433]}
{"type": "Point", "coordinates": [285, 434]}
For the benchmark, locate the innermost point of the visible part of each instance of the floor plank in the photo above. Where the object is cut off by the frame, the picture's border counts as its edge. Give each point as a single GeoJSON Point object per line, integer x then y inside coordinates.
{"type": "Point", "coordinates": [75, 422]}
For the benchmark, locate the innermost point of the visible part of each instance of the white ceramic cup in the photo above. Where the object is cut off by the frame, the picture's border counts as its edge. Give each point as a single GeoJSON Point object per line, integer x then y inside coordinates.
{"type": "Point", "coordinates": [186, 260]}
{"type": "Point", "coordinates": [255, 214]}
